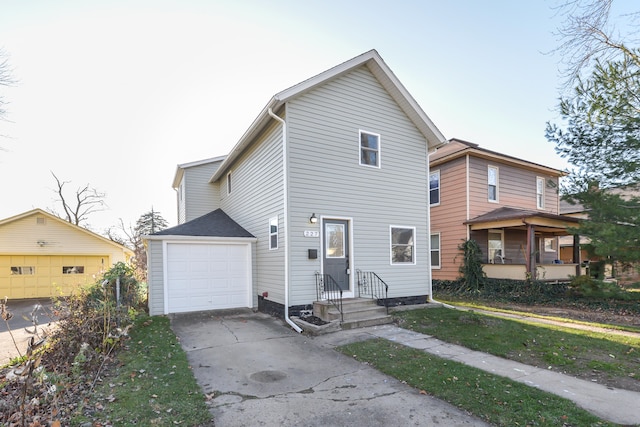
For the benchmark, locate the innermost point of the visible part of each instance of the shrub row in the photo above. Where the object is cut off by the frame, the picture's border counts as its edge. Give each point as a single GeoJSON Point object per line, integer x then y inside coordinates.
{"type": "Point", "coordinates": [582, 292]}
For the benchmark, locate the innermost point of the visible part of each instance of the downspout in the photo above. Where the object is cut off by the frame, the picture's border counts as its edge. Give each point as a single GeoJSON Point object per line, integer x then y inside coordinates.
{"type": "Point", "coordinates": [285, 220]}
{"type": "Point", "coordinates": [430, 284]}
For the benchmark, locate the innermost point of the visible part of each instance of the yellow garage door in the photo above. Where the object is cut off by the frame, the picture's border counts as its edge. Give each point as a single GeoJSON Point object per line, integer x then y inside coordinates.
{"type": "Point", "coordinates": [41, 276]}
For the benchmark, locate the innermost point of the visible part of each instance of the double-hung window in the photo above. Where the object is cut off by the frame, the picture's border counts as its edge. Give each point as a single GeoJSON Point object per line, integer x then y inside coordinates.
{"type": "Point", "coordinates": [540, 193]}
{"type": "Point", "coordinates": [369, 149]}
{"type": "Point", "coordinates": [492, 183]}
{"type": "Point", "coordinates": [273, 233]}
{"type": "Point", "coordinates": [403, 247]}
{"type": "Point", "coordinates": [435, 250]}
{"type": "Point", "coordinates": [434, 188]}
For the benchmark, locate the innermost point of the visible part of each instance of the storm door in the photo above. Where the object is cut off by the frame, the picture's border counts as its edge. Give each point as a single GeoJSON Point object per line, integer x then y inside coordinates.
{"type": "Point", "coordinates": [335, 236]}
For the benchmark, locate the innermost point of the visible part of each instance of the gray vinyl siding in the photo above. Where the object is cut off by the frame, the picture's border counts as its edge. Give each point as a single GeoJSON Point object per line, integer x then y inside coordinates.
{"type": "Point", "coordinates": [325, 178]}
{"type": "Point", "coordinates": [257, 196]}
{"type": "Point", "coordinates": [156, 276]}
{"type": "Point", "coordinates": [200, 196]}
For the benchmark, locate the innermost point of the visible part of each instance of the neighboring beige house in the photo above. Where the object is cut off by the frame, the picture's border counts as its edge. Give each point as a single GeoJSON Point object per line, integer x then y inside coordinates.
{"type": "Point", "coordinates": [42, 256]}
{"type": "Point", "coordinates": [508, 205]}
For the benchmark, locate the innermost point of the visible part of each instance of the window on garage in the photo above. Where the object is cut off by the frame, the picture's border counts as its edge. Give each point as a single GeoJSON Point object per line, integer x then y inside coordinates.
{"type": "Point", "coordinates": [23, 270]}
{"type": "Point", "coordinates": [73, 269]}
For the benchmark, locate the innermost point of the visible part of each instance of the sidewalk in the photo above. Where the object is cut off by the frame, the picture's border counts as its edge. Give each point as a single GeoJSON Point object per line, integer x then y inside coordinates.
{"type": "Point", "coordinates": [615, 405]}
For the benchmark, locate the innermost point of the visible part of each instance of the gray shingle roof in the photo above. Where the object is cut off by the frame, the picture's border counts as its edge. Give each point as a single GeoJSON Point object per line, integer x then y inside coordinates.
{"type": "Point", "coordinates": [214, 224]}
{"type": "Point", "coordinates": [505, 213]}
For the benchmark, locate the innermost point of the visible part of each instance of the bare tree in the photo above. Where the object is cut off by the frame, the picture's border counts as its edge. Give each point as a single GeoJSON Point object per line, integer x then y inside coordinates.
{"type": "Point", "coordinates": [5, 80]}
{"type": "Point", "coordinates": [148, 223]}
{"type": "Point", "coordinates": [77, 208]}
{"type": "Point", "coordinates": [588, 36]}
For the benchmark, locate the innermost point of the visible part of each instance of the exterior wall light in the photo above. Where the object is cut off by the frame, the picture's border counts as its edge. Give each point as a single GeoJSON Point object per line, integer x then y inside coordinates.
{"type": "Point", "coordinates": [313, 218]}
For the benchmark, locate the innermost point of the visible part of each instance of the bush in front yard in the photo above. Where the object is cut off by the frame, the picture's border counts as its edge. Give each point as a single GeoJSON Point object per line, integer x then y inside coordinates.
{"type": "Point", "coordinates": [589, 287]}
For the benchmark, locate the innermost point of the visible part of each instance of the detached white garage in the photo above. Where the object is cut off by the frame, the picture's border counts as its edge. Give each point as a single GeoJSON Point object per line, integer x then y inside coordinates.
{"type": "Point", "coordinates": [204, 264]}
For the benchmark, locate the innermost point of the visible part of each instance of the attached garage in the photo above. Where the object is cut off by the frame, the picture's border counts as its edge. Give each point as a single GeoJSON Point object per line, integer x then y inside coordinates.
{"type": "Point", "coordinates": [203, 264]}
{"type": "Point", "coordinates": [207, 276]}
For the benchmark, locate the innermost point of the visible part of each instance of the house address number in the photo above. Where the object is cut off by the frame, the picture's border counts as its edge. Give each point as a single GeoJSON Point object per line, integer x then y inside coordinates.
{"type": "Point", "coordinates": [311, 233]}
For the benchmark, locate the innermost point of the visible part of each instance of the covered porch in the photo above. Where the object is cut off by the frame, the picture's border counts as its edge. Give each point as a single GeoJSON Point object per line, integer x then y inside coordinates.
{"type": "Point", "coordinates": [522, 244]}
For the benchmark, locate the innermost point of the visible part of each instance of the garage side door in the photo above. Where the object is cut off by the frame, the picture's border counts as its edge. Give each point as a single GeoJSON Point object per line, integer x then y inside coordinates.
{"type": "Point", "coordinates": [207, 276]}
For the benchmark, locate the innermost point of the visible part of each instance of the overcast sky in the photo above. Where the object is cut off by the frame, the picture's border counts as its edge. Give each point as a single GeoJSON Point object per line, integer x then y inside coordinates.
{"type": "Point", "coordinates": [115, 94]}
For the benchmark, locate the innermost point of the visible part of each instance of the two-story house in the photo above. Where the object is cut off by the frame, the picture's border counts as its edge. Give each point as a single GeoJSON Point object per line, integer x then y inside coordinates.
{"type": "Point", "coordinates": [326, 191]}
{"type": "Point", "coordinates": [509, 206]}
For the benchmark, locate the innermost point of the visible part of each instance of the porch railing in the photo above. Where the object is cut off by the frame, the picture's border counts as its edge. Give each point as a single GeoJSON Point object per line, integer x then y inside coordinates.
{"type": "Point", "coordinates": [370, 285]}
{"type": "Point", "coordinates": [328, 289]}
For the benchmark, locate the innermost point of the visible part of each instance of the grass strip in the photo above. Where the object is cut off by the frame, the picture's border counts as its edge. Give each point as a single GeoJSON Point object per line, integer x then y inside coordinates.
{"type": "Point", "coordinates": [153, 385]}
{"type": "Point", "coordinates": [585, 354]}
{"type": "Point", "coordinates": [497, 400]}
{"type": "Point", "coordinates": [478, 306]}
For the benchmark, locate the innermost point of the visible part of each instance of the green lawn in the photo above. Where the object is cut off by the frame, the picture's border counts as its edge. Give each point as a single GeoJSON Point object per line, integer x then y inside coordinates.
{"type": "Point", "coordinates": [153, 385]}
{"type": "Point", "coordinates": [590, 355]}
{"type": "Point", "coordinates": [497, 400]}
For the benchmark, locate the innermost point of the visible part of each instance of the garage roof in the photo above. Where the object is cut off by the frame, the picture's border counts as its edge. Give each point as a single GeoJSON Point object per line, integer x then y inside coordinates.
{"type": "Point", "coordinates": [214, 224]}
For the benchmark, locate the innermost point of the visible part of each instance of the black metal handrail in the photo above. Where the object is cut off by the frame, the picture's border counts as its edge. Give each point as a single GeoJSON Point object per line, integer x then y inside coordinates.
{"type": "Point", "coordinates": [370, 285]}
{"type": "Point", "coordinates": [328, 289]}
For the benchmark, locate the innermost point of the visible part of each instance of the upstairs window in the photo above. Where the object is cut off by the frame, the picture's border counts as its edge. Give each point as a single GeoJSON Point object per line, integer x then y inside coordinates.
{"type": "Point", "coordinates": [229, 183]}
{"type": "Point", "coordinates": [273, 233]}
{"type": "Point", "coordinates": [403, 245]}
{"type": "Point", "coordinates": [492, 181]}
{"type": "Point", "coordinates": [540, 193]}
{"type": "Point", "coordinates": [369, 149]}
{"type": "Point", "coordinates": [434, 188]}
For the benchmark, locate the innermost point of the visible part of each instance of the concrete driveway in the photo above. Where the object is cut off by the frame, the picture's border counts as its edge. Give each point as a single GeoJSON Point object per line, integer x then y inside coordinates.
{"type": "Point", "coordinates": [13, 346]}
{"type": "Point", "coordinates": [259, 372]}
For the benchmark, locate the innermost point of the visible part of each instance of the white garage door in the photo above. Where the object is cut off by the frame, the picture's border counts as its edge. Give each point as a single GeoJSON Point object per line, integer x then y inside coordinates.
{"type": "Point", "coordinates": [207, 276]}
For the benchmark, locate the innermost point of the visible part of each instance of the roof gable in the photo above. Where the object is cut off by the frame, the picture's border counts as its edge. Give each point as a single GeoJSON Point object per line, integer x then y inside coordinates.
{"type": "Point", "coordinates": [177, 177]}
{"type": "Point", "coordinates": [378, 68]}
{"type": "Point", "coordinates": [62, 222]}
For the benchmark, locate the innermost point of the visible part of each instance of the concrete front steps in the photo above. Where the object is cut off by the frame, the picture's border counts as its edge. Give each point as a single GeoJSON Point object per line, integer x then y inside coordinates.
{"type": "Point", "coordinates": [357, 313]}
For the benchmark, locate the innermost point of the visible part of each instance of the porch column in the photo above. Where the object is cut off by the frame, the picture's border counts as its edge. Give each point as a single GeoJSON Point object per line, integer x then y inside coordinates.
{"type": "Point", "coordinates": [531, 260]}
{"type": "Point", "coordinates": [576, 253]}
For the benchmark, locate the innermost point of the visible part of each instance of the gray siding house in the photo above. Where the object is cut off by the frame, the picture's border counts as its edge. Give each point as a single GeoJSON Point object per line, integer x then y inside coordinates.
{"type": "Point", "coordinates": [329, 182]}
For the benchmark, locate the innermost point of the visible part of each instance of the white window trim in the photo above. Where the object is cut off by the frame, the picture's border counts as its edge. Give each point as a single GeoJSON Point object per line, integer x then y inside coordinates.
{"type": "Point", "coordinates": [360, 132]}
{"type": "Point", "coordinates": [496, 231]}
{"type": "Point", "coordinates": [554, 244]}
{"type": "Point", "coordinates": [415, 252]}
{"type": "Point", "coordinates": [497, 200]}
{"type": "Point", "coordinates": [540, 202]}
{"type": "Point", "coordinates": [228, 183]}
{"type": "Point", "coordinates": [439, 266]}
{"type": "Point", "coordinates": [437, 171]}
{"type": "Point", "coordinates": [277, 233]}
